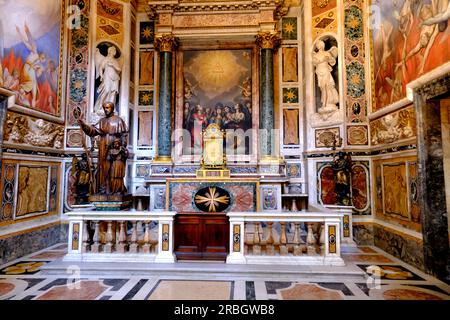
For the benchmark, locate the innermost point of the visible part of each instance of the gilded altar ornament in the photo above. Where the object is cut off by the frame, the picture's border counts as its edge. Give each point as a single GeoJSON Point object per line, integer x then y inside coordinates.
{"type": "Point", "coordinates": [166, 42]}
{"type": "Point", "coordinates": [213, 163]}
{"type": "Point", "coordinates": [268, 40]}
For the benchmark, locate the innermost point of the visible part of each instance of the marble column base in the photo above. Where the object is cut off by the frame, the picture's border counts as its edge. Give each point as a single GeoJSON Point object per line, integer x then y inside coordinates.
{"type": "Point", "coordinates": [108, 248]}
{"type": "Point", "coordinates": [284, 250]}
{"type": "Point", "coordinates": [122, 248]}
{"type": "Point", "coordinates": [146, 248]}
{"type": "Point", "coordinates": [134, 248]}
{"type": "Point", "coordinates": [96, 248]}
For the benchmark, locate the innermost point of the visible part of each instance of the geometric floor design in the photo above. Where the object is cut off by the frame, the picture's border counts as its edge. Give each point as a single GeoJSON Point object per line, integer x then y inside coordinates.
{"type": "Point", "coordinates": [387, 278]}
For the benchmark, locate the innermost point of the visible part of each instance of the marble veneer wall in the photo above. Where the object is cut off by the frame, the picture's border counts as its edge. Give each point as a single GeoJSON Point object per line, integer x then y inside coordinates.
{"type": "Point", "coordinates": [18, 245]}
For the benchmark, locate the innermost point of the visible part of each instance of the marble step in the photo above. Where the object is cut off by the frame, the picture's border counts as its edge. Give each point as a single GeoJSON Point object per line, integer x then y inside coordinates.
{"type": "Point", "coordinates": [204, 270]}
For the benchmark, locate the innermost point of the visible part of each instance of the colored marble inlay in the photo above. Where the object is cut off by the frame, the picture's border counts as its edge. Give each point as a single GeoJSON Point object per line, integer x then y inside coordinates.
{"type": "Point", "coordinates": [290, 95]}
{"type": "Point", "coordinates": [332, 239]}
{"type": "Point", "coordinates": [346, 226]}
{"type": "Point", "coordinates": [289, 28]}
{"type": "Point", "coordinates": [309, 292]}
{"type": "Point", "coordinates": [146, 32]}
{"type": "Point", "coordinates": [236, 238]}
{"type": "Point", "coordinates": [76, 236]}
{"type": "Point", "coordinates": [243, 195]}
{"type": "Point", "coordinates": [372, 258]}
{"type": "Point", "coordinates": [354, 23]}
{"type": "Point", "coordinates": [83, 290]}
{"type": "Point", "coordinates": [165, 237]}
{"type": "Point", "coordinates": [145, 98]}
{"type": "Point", "coordinates": [23, 267]}
{"type": "Point", "coordinates": [192, 290]}
{"type": "Point", "coordinates": [356, 79]}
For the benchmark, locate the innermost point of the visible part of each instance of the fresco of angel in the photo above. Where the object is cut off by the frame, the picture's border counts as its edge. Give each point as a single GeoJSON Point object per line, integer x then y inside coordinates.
{"type": "Point", "coordinates": [33, 67]}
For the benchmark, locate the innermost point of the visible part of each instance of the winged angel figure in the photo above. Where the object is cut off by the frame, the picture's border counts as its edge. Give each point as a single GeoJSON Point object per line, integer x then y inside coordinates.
{"type": "Point", "coordinates": [108, 69]}
{"type": "Point", "coordinates": [324, 61]}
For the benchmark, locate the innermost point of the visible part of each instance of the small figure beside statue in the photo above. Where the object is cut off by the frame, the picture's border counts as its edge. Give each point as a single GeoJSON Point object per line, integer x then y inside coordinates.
{"type": "Point", "coordinates": [107, 187]}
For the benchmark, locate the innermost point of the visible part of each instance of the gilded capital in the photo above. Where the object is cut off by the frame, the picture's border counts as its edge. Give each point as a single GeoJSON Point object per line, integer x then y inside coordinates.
{"type": "Point", "coordinates": [268, 40]}
{"type": "Point", "coordinates": [166, 42]}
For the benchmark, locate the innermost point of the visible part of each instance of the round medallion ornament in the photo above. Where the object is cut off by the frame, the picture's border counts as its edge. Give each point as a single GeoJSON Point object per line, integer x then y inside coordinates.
{"type": "Point", "coordinates": [212, 199]}
{"type": "Point", "coordinates": [322, 3]}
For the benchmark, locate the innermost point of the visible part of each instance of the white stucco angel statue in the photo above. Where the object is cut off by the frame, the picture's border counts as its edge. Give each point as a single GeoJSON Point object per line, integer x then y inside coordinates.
{"type": "Point", "coordinates": [108, 69]}
{"type": "Point", "coordinates": [324, 60]}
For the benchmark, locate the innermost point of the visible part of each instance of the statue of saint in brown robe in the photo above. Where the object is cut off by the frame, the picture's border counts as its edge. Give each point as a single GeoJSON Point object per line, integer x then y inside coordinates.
{"type": "Point", "coordinates": [109, 128]}
{"type": "Point", "coordinates": [117, 156]}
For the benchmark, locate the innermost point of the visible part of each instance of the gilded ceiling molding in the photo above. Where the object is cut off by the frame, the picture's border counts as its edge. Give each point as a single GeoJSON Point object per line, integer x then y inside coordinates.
{"type": "Point", "coordinates": [268, 40]}
{"type": "Point", "coordinates": [166, 42]}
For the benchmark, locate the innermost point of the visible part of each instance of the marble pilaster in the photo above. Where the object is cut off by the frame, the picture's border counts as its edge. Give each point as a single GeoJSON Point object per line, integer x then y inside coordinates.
{"type": "Point", "coordinates": [268, 42]}
{"type": "Point", "coordinates": [432, 186]}
{"type": "Point", "coordinates": [166, 44]}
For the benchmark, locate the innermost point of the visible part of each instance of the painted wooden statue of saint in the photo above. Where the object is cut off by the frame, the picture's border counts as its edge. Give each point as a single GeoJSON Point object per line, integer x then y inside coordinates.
{"type": "Point", "coordinates": [342, 166]}
{"type": "Point", "coordinates": [110, 129]}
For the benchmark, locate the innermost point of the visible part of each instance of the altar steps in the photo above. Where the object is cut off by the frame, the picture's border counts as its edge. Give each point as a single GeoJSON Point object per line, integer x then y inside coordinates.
{"type": "Point", "coordinates": [205, 270]}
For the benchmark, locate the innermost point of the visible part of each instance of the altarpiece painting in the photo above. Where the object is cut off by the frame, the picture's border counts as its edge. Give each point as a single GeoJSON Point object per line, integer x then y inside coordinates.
{"type": "Point", "coordinates": [218, 88]}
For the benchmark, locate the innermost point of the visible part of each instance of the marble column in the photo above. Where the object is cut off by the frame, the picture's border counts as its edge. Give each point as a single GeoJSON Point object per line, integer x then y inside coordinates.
{"type": "Point", "coordinates": [165, 44]}
{"type": "Point", "coordinates": [432, 187]}
{"type": "Point", "coordinates": [268, 43]}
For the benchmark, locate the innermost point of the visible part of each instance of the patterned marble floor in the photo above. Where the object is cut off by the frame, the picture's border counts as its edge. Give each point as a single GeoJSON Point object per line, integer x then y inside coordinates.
{"type": "Point", "coordinates": [387, 279]}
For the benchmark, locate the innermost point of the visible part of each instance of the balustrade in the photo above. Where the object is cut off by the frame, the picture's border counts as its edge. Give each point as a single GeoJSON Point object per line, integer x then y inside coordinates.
{"type": "Point", "coordinates": [310, 238]}
{"type": "Point", "coordinates": [121, 238]}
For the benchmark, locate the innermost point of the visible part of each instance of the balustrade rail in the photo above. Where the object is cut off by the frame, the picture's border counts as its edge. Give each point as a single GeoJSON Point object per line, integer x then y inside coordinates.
{"type": "Point", "coordinates": [306, 238]}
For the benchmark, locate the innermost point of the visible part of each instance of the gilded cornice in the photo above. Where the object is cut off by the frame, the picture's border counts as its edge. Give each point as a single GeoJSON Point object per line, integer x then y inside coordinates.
{"type": "Point", "coordinates": [180, 6]}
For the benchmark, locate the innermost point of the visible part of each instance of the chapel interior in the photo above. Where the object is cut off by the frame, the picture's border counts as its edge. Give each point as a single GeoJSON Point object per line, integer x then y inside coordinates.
{"type": "Point", "coordinates": [269, 137]}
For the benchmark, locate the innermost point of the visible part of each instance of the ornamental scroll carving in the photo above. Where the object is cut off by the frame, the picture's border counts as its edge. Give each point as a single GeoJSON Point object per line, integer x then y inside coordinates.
{"type": "Point", "coordinates": [268, 40]}
{"type": "Point", "coordinates": [166, 42]}
{"type": "Point", "coordinates": [21, 129]}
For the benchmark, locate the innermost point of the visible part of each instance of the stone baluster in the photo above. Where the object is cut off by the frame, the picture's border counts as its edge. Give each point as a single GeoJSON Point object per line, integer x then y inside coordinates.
{"type": "Point", "coordinates": [86, 239]}
{"type": "Point", "coordinates": [139, 206]}
{"type": "Point", "coordinates": [322, 239]}
{"type": "Point", "coordinates": [256, 240]}
{"type": "Point", "coordinates": [147, 245]}
{"type": "Point", "coordinates": [109, 238]}
{"type": "Point", "coordinates": [270, 249]}
{"type": "Point", "coordinates": [123, 244]}
{"type": "Point", "coordinates": [297, 240]}
{"type": "Point", "coordinates": [134, 238]}
{"type": "Point", "coordinates": [283, 240]}
{"type": "Point", "coordinates": [311, 240]}
{"type": "Point", "coordinates": [96, 247]}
